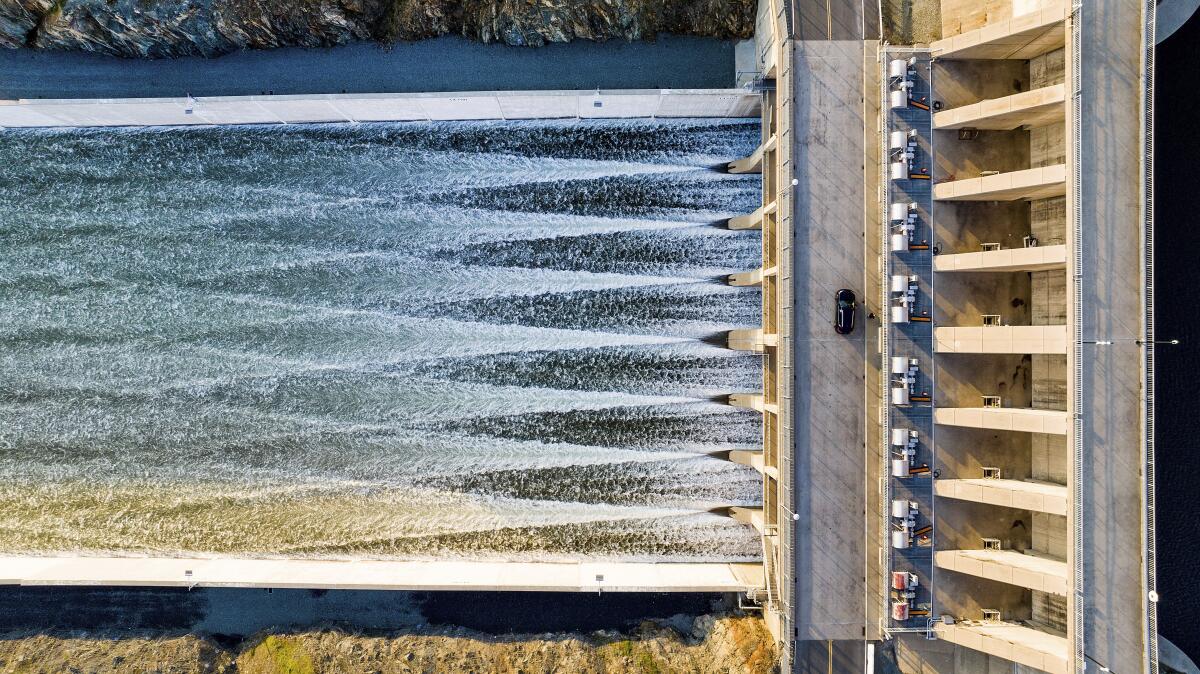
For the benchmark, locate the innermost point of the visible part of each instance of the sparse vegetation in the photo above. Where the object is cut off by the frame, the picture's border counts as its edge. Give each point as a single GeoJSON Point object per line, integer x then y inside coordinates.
{"type": "Point", "coordinates": [916, 22]}
{"type": "Point", "coordinates": [715, 645]}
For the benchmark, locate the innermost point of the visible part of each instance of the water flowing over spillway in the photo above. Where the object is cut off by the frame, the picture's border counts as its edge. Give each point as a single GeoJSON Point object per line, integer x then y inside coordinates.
{"type": "Point", "coordinates": [475, 340]}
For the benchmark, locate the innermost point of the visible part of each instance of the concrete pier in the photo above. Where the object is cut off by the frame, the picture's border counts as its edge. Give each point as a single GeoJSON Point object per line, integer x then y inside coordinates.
{"type": "Point", "coordinates": [749, 221]}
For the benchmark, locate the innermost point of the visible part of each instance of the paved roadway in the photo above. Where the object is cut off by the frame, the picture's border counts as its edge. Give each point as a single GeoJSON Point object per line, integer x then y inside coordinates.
{"type": "Point", "coordinates": [829, 402]}
{"type": "Point", "coordinates": [1112, 312]}
{"type": "Point", "coordinates": [836, 19]}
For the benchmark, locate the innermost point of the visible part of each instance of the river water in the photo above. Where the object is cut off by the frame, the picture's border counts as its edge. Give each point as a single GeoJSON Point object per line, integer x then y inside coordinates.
{"type": "Point", "coordinates": [478, 340]}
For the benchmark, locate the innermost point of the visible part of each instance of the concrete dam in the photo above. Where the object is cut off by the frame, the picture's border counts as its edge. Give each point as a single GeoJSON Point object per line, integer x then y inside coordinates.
{"type": "Point", "coordinates": [451, 341]}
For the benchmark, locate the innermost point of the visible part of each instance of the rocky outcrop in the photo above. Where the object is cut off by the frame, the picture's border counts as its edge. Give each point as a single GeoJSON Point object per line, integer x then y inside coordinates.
{"type": "Point", "coordinates": [169, 28]}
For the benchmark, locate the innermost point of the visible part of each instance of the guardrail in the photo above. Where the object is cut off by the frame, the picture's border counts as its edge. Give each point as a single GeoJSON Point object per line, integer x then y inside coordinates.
{"type": "Point", "coordinates": [1149, 15]}
{"type": "Point", "coordinates": [888, 557]}
{"type": "Point", "coordinates": [1075, 132]}
{"type": "Point", "coordinates": [784, 236]}
{"type": "Point", "coordinates": [885, 415]}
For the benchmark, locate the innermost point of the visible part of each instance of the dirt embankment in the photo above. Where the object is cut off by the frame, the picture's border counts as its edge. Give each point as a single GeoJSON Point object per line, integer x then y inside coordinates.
{"type": "Point", "coordinates": [714, 644]}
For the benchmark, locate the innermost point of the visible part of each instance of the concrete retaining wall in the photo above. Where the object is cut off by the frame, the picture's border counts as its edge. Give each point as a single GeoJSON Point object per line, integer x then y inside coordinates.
{"type": "Point", "coordinates": [382, 575]}
{"type": "Point", "coordinates": [378, 108]}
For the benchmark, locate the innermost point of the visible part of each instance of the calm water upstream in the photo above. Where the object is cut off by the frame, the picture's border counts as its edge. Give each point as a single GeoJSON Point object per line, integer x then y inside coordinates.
{"type": "Point", "coordinates": [474, 340]}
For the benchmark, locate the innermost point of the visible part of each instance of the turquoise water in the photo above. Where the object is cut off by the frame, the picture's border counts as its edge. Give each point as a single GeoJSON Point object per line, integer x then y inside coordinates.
{"type": "Point", "coordinates": [473, 340]}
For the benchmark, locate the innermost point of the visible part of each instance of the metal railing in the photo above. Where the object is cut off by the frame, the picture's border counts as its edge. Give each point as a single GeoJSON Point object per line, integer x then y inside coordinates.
{"type": "Point", "coordinates": [786, 375]}
{"type": "Point", "coordinates": [885, 414]}
{"type": "Point", "coordinates": [886, 554]}
{"type": "Point", "coordinates": [1076, 189]}
{"type": "Point", "coordinates": [933, 373]}
{"type": "Point", "coordinates": [1147, 262]}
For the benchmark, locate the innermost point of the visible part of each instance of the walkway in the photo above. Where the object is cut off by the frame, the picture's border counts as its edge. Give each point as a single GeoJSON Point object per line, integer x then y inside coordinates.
{"type": "Point", "coordinates": [382, 575]}
{"type": "Point", "coordinates": [1112, 313]}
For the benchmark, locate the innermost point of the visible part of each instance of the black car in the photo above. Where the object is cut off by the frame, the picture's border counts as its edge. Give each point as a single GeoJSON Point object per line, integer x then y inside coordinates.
{"type": "Point", "coordinates": [843, 314]}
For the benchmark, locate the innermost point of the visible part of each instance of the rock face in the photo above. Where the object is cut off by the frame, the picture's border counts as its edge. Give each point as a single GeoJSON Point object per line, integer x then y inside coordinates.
{"type": "Point", "coordinates": [169, 28]}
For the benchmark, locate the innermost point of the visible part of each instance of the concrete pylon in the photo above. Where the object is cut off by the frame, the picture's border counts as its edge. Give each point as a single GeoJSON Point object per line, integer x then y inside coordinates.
{"type": "Point", "coordinates": [746, 278]}
{"type": "Point", "coordinates": [752, 339]}
{"type": "Point", "coordinates": [748, 515]}
{"type": "Point", "coordinates": [748, 221]}
{"type": "Point", "coordinates": [753, 163]}
{"type": "Point", "coordinates": [753, 458]}
{"type": "Point", "coordinates": [749, 401]}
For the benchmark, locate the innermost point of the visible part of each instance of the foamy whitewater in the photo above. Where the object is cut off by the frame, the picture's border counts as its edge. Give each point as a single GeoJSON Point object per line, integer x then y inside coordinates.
{"type": "Point", "coordinates": [476, 340]}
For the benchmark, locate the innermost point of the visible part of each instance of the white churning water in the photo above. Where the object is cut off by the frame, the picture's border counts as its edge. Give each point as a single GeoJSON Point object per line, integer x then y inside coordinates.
{"type": "Point", "coordinates": [476, 340]}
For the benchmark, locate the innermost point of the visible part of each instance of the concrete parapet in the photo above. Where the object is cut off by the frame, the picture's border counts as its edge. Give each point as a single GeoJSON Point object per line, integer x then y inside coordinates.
{"type": "Point", "coordinates": [382, 575]}
{"type": "Point", "coordinates": [353, 108]}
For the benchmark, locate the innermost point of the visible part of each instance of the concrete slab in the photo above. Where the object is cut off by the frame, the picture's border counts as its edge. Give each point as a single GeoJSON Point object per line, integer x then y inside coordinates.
{"type": "Point", "coordinates": [836, 19]}
{"type": "Point", "coordinates": [1037, 258]}
{"type": "Point", "coordinates": [1022, 419]}
{"type": "Point", "coordinates": [1031, 570]}
{"type": "Point", "coordinates": [378, 107]}
{"type": "Point", "coordinates": [1030, 647]}
{"type": "Point", "coordinates": [1002, 339]}
{"type": "Point", "coordinates": [381, 575]}
{"type": "Point", "coordinates": [1029, 108]}
{"type": "Point", "coordinates": [1034, 183]}
{"type": "Point", "coordinates": [828, 140]}
{"type": "Point", "coordinates": [1114, 468]}
{"type": "Point", "coordinates": [1032, 495]}
{"type": "Point", "coordinates": [1014, 37]}
{"type": "Point", "coordinates": [462, 107]}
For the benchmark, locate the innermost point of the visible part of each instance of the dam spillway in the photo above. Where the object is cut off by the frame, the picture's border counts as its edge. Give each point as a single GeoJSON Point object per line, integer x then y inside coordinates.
{"type": "Point", "coordinates": [455, 340]}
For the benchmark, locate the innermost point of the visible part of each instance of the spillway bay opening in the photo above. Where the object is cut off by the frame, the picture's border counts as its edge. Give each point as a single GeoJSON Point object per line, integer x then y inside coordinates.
{"type": "Point", "coordinates": [474, 340]}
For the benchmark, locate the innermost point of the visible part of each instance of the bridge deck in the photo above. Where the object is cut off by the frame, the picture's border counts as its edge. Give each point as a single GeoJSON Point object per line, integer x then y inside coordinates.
{"type": "Point", "coordinates": [829, 409]}
{"type": "Point", "coordinates": [382, 575]}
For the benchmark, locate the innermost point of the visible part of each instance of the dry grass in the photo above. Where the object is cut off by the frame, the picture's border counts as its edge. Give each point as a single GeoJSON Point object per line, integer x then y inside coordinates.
{"type": "Point", "coordinates": [723, 644]}
{"type": "Point", "coordinates": [911, 22]}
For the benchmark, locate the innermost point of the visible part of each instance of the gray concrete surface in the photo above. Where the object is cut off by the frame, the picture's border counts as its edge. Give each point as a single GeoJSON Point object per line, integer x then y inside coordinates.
{"type": "Point", "coordinates": [441, 64]}
{"type": "Point", "coordinates": [822, 657]}
{"type": "Point", "coordinates": [829, 408]}
{"type": "Point", "coordinates": [876, 453]}
{"type": "Point", "coordinates": [369, 574]}
{"type": "Point", "coordinates": [355, 108]}
{"type": "Point", "coordinates": [1112, 484]}
{"type": "Point", "coordinates": [835, 19]}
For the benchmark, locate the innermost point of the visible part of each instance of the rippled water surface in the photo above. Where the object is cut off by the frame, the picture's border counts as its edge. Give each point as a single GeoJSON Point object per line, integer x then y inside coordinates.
{"type": "Point", "coordinates": [472, 340]}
